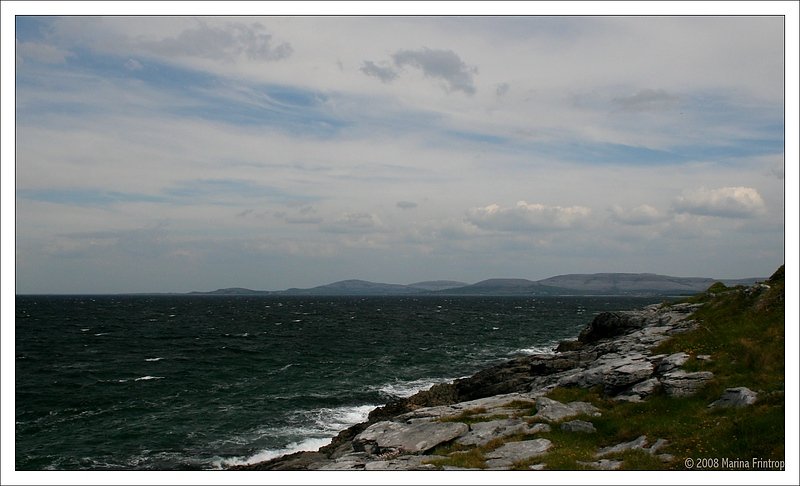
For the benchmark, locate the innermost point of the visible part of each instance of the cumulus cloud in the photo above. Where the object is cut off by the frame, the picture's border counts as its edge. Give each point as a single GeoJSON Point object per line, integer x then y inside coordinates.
{"type": "Point", "coordinates": [354, 223]}
{"type": "Point", "coordinates": [441, 64]}
{"type": "Point", "coordinates": [638, 216]}
{"type": "Point", "coordinates": [223, 42]}
{"type": "Point", "coordinates": [525, 217]}
{"type": "Point", "coordinates": [726, 202]}
{"type": "Point", "coordinates": [384, 73]}
{"type": "Point", "coordinates": [646, 100]}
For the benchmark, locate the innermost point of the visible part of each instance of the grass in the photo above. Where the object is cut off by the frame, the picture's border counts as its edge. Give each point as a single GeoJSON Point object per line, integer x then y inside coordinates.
{"type": "Point", "coordinates": [743, 331]}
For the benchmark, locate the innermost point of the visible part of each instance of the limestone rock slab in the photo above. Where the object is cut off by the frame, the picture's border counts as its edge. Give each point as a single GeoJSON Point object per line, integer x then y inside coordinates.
{"type": "Point", "coordinates": [409, 438]}
{"type": "Point", "coordinates": [511, 452]}
{"type": "Point", "coordinates": [736, 398]}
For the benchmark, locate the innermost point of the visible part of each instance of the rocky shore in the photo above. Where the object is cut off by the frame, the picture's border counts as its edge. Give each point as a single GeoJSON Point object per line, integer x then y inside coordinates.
{"type": "Point", "coordinates": [503, 409]}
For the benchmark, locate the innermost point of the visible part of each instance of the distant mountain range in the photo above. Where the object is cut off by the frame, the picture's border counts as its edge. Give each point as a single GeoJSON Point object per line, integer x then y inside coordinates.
{"type": "Point", "coordinates": [572, 284]}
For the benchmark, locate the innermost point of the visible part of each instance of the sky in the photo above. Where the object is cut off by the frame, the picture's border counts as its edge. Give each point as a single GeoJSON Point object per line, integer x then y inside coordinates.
{"type": "Point", "coordinates": [173, 154]}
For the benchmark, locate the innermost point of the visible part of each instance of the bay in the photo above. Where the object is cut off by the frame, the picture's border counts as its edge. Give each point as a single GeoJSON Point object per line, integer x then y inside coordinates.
{"type": "Point", "coordinates": [203, 382]}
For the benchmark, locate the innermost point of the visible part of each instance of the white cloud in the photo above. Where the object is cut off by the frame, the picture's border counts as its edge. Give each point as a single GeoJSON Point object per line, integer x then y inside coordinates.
{"type": "Point", "coordinates": [726, 202]}
{"type": "Point", "coordinates": [222, 42]}
{"type": "Point", "coordinates": [637, 216]}
{"type": "Point", "coordinates": [39, 51]}
{"type": "Point", "coordinates": [527, 217]}
{"type": "Point", "coordinates": [133, 65]}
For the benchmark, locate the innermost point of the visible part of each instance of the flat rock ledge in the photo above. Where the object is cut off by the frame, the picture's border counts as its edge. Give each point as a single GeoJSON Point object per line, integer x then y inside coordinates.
{"type": "Point", "coordinates": [491, 410]}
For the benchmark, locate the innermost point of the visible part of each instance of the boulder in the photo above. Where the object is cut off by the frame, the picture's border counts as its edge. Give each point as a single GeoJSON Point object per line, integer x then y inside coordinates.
{"type": "Point", "coordinates": [736, 398]}
{"type": "Point", "coordinates": [640, 391]}
{"type": "Point", "coordinates": [626, 375]}
{"type": "Point", "coordinates": [403, 463]}
{"type": "Point", "coordinates": [682, 384]}
{"type": "Point", "coordinates": [602, 464]}
{"type": "Point", "coordinates": [671, 362]}
{"type": "Point", "coordinates": [637, 443]}
{"type": "Point", "coordinates": [579, 426]}
{"type": "Point", "coordinates": [611, 324]}
{"type": "Point", "coordinates": [407, 438]}
{"type": "Point", "coordinates": [482, 432]}
{"type": "Point", "coordinates": [554, 411]}
{"type": "Point", "coordinates": [511, 452]}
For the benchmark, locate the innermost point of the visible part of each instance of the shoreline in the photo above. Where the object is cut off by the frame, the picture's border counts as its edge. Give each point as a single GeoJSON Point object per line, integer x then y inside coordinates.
{"type": "Point", "coordinates": [612, 351]}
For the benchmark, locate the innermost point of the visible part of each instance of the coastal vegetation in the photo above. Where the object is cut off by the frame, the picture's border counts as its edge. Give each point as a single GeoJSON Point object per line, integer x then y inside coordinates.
{"type": "Point", "coordinates": [740, 338]}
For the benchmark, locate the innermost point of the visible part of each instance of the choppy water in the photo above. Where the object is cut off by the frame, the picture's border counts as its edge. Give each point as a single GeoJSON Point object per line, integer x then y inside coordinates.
{"type": "Point", "coordinates": [200, 382]}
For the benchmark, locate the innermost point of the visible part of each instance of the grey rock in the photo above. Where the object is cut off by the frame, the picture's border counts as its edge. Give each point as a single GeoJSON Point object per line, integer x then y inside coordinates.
{"type": "Point", "coordinates": [579, 426]}
{"type": "Point", "coordinates": [610, 324]}
{"type": "Point", "coordinates": [511, 452]}
{"type": "Point", "coordinates": [671, 362]}
{"type": "Point", "coordinates": [403, 463]}
{"type": "Point", "coordinates": [704, 357]}
{"type": "Point", "coordinates": [602, 464]}
{"type": "Point", "coordinates": [736, 398]}
{"type": "Point", "coordinates": [665, 457]}
{"type": "Point", "coordinates": [682, 384]}
{"type": "Point", "coordinates": [637, 443]}
{"type": "Point", "coordinates": [482, 432]}
{"type": "Point", "coordinates": [639, 391]}
{"type": "Point", "coordinates": [554, 411]}
{"type": "Point", "coordinates": [343, 466]}
{"type": "Point", "coordinates": [658, 445]}
{"type": "Point", "coordinates": [408, 438]}
{"type": "Point", "coordinates": [537, 467]}
{"type": "Point", "coordinates": [538, 429]}
{"type": "Point", "coordinates": [627, 374]}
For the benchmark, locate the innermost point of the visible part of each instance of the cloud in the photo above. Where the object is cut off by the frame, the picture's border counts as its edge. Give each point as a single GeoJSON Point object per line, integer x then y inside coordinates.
{"type": "Point", "coordinates": [133, 65]}
{"type": "Point", "coordinates": [303, 215]}
{"type": "Point", "coordinates": [385, 74]}
{"type": "Point", "coordinates": [441, 64]}
{"type": "Point", "coordinates": [41, 52]}
{"type": "Point", "coordinates": [646, 100]}
{"type": "Point", "coordinates": [638, 216]}
{"type": "Point", "coordinates": [726, 202]}
{"type": "Point", "coordinates": [223, 42]}
{"type": "Point", "coordinates": [527, 217]}
{"type": "Point", "coordinates": [406, 204]}
{"type": "Point", "coordinates": [354, 223]}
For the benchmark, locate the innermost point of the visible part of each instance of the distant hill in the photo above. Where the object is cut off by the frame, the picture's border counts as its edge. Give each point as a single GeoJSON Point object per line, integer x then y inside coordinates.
{"type": "Point", "coordinates": [356, 287]}
{"type": "Point", "coordinates": [438, 285]}
{"type": "Point", "coordinates": [572, 284]}
{"type": "Point", "coordinates": [635, 283]}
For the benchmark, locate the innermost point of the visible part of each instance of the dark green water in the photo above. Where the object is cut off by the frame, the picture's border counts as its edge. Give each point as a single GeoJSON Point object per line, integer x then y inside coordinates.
{"type": "Point", "coordinates": [190, 382]}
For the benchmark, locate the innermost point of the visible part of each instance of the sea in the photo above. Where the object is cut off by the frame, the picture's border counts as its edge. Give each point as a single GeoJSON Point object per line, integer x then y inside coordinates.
{"type": "Point", "coordinates": [193, 382]}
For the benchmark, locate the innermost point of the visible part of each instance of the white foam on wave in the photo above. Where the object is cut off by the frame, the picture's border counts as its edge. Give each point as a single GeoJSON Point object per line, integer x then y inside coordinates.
{"type": "Point", "coordinates": [321, 425]}
{"type": "Point", "coordinates": [545, 349]}
{"type": "Point", "coordinates": [153, 359]}
{"type": "Point", "coordinates": [404, 389]}
{"type": "Point", "coordinates": [311, 444]}
{"type": "Point", "coordinates": [148, 377]}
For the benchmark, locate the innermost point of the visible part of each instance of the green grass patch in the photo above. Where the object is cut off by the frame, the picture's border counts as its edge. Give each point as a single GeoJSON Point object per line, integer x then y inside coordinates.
{"type": "Point", "coordinates": [743, 331]}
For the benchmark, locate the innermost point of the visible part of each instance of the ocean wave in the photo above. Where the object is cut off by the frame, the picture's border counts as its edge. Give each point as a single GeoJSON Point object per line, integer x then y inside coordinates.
{"type": "Point", "coordinates": [545, 349]}
{"type": "Point", "coordinates": [317, 428]}
{"type": "Point", "coordinates": [148, 377]}
{"type": "Point", "coordinates": [153, 359]}
{"type": "Point", "coordinates": [310, 444]}
{"type": "Point", "coordinates": [404, 389]}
